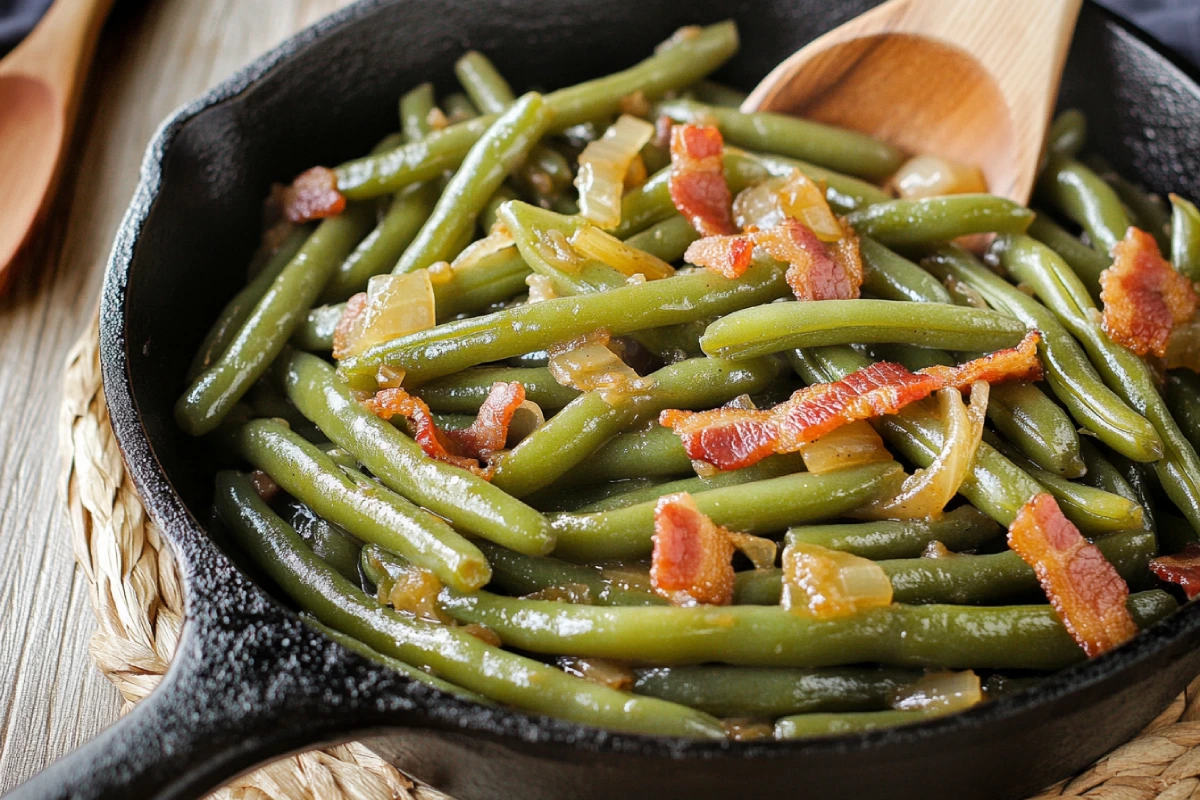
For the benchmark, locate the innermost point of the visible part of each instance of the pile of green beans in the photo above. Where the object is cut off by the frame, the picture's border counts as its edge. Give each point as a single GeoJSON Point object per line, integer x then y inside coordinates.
{"type": "Point", "coordinates": [547, 545]}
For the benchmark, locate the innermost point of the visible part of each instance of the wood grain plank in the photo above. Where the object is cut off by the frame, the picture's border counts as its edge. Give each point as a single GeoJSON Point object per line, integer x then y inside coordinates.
{"type": "Point", "coordinates": [154, 58]}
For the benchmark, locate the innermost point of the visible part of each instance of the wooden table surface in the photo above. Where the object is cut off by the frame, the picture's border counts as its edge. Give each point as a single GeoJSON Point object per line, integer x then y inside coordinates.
{"type": "Point", "coordinates": [153, 56]}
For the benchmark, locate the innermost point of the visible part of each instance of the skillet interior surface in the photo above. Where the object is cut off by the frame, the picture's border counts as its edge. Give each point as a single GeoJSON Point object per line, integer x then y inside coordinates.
{"type": "Point", "coordinates": [327, 95]}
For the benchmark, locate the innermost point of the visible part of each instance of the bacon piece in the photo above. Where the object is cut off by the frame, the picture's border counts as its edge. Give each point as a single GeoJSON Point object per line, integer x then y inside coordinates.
{"type": "Point", "coordinates": [1086, 591]}
{"type": "Point", "coordinates": [816, 270]}
{"type": "Point", "coordinates": [692, 561]}
{"type": "Point", "coordinates": [390, 402]}
{"type": "Point", "coordinates": [1144, 297]}
{"type": "Point", "coordinates": [1182, 568]}
{"type": "Point", "coordinates": [486, 435]}
{"type": "Point", "coordinates": [1018, 363]}
{"type": "Point", "coordinates": [313, 195]}
{"type": "Point", "coordinates": [355, 306]}
{"type": "Point", "coordinates": [724, 255]}
{"type": "Point", "coordinates": [697, 181]}
{"type": "Point", "coordinates": [732, 438]}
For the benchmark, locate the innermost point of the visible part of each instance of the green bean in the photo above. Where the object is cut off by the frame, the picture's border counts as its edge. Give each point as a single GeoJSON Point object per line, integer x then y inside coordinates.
{"type": "Point", "coordinates": [268, 327]}
{"type": "Point", "coordinates": [1068, 133]}
{"type": "Point", "coordinates": [459, 107]}
{"type": "Point", "coordinates": [574, 433]}
{"type": "Point", "coordinates": [315, 335]}
{"type": "Point", "coordinates": [545, 171]}
{"type": "Point", "coordinates": [1125, 373]}
{"type": "Point", "coordinates": [377, 254]}
{"type": "Point", "coordinates": [415, 106]}
{"type": "Point", "coordinates": [554, 499]}
{"type": "Point", "coordinates": [455, 346]}
{"type": "Point", "coordinates": [1146, 211]}
{"type": "Point", "coordinates": [1109, 511]}
{"type": "Point", "coordinates": [235, 312]}
{"type": "Point", "coordinates": [759, 507]}
{"type": "Point", "coordinates": [1087, 262]}
{"type": "Point", "coordinates": [1183, 401]}
{"type": "Point", "coordinates": [1175, 533]}
{"type": "Point", "coordinates": [772, 692]}
{"type": "Point", "coordinates": [785, 326]}
{"type": "Point", "coordinates": [470, 503]}
{"type": "Point", "coordinates": [995, 485]}
{"type": "Point", "coordinates": [718, 94]}
{"type": "Point", "coordinates": [963, 579]}
{"type": "Point", "coordinates": [656, 452]}
{"type": "Point", "coordinates": [491, 211]}
{"type": "Point", "coordinates": [370, 512]}
{"type": "Point", "coordinates": [466, 391]}
{"type": "Point", "coordinates": [892, 277]}
{"type": "Point", "coordinates": [521, 574]}
{"type": "Point", "coordinates": [810, 726]}
{"type": "Point", "coordinates": [489, 161]}
{"type": "Point", "coordinates": [1068, 371]}
{"type": "Point", "coordinates": [1102, 474]}
{"type": "Point", "coordinates": [836, 148]}
{"type": "Point", "coordinates": [672, 68]}
{"type": "Point", "coordinates": [770, 467]}
{"type": "Point", "coordinates": [667, 240]}
{"type": "Point", "coordinates": [330, 543]}
{"type": "Point", "coordinates": [408, 671]}
{"type": "Point", "coordinates": [1083, 197]}
{"type": "Point", "coordinates": [905, 223]}
{"type": "Point", "coordinates": [449, 652]}
{"type": "Point", "coordinates": [944, 636]}
{"type": "Point", "coordinates": [964, 528]}
{"type": "Point", "coordinates": [1185, 237]}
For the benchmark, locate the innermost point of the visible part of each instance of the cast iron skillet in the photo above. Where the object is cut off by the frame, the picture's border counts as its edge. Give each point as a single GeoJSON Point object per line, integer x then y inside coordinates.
{"type": "Point", "coordinates": [250, 682]}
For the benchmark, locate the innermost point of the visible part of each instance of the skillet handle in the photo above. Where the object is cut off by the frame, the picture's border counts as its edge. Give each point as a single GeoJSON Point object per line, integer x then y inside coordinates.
{"type": "Point", "coordinates": [233, 698]}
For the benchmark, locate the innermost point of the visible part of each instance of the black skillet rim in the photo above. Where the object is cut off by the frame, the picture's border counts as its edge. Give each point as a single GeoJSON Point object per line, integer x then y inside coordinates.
{"type": "Point", "coordinates": [167, 509]}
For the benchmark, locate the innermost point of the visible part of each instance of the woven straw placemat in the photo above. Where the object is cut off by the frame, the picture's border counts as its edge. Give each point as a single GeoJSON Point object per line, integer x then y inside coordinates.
{"type": "Point", "coordinates": [138, 600]}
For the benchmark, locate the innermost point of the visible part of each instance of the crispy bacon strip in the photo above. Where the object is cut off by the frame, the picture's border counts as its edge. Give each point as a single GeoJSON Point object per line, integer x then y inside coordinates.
{"type": "Point", "coordinates": [356, 305]}
{"type": "Point", "coordinates": [486, 435]}
{"type": "Point", "coordinates": [1144, 297]}
{"type": "Point", "coordinates": [732, 438]}
{"type": "Point", "coordinates": [470, 448]}
{"type": "Point", "coordinates": [692, 562]}
{"type": "Point", "coordinates": [697, 182]}
{"type": "Point", "coordinates": [816, 270]}
{"type": "Point", "coordinates": [1182, 568]}
{"type": "Point", "coordinates": [724, 255]}
{"type": "Point", "coordinates": [1086, 591]}
{"type": "Point", "coordinates": [313, 195]}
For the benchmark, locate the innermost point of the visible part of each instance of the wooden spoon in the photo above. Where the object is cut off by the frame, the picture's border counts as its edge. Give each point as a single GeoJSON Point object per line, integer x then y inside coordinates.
{"type": "Point", "coordinates": [974, 81]}
{"type": "Point", "coordinates": [39, 96]}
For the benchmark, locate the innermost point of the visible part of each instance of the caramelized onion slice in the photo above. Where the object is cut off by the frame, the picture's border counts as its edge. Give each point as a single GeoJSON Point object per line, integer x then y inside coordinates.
{"type": "Point", "coordinates": [591, 366]}
{"type": "Point", "coordinates": [602, 167]}
{"type": "Point", "coordinates": [931, 176]}
{"type": "Point", "coordinates": [940, 691]}
{"type": "Point", "coordinates": [926, 492]}
{"type": "Point", "coordinates": [848, 446]}
{"type": "Point", "coordinates": [395, 305]}
{"type": "Point", "coordinates": [829, 583]}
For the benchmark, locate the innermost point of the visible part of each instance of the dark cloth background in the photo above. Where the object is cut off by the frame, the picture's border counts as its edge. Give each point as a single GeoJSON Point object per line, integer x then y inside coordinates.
{"type": "Point", "coordinates": [1175, 22]}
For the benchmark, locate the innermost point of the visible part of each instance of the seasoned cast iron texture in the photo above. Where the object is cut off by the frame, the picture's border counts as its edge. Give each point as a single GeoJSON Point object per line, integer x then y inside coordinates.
{"type": "Point", "coordinates": [250, 682]}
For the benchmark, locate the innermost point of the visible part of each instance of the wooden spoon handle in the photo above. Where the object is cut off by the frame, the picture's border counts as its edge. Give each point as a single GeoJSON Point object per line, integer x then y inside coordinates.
{"type": "Point", "coordinates": [61, 46]}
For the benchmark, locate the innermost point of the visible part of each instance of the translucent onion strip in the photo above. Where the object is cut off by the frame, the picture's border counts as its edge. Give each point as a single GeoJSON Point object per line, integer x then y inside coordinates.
{"type": "Point", "coordinates": [926, 492]}
{"type": "Point", "coordinates": [591, 242]}
{"type": "Point", "coordinates": [592, 367]}
{"type": "Point", "coordinates": [930, 176]}
{"type": "Point", "coordinates": [829, 583]}
{"type": "Point", "coordinates": [602, 167]}
{"type": "Point", "coordinates": [396, 305]}
{"type": "Point", "coordinates": [494, 242]}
